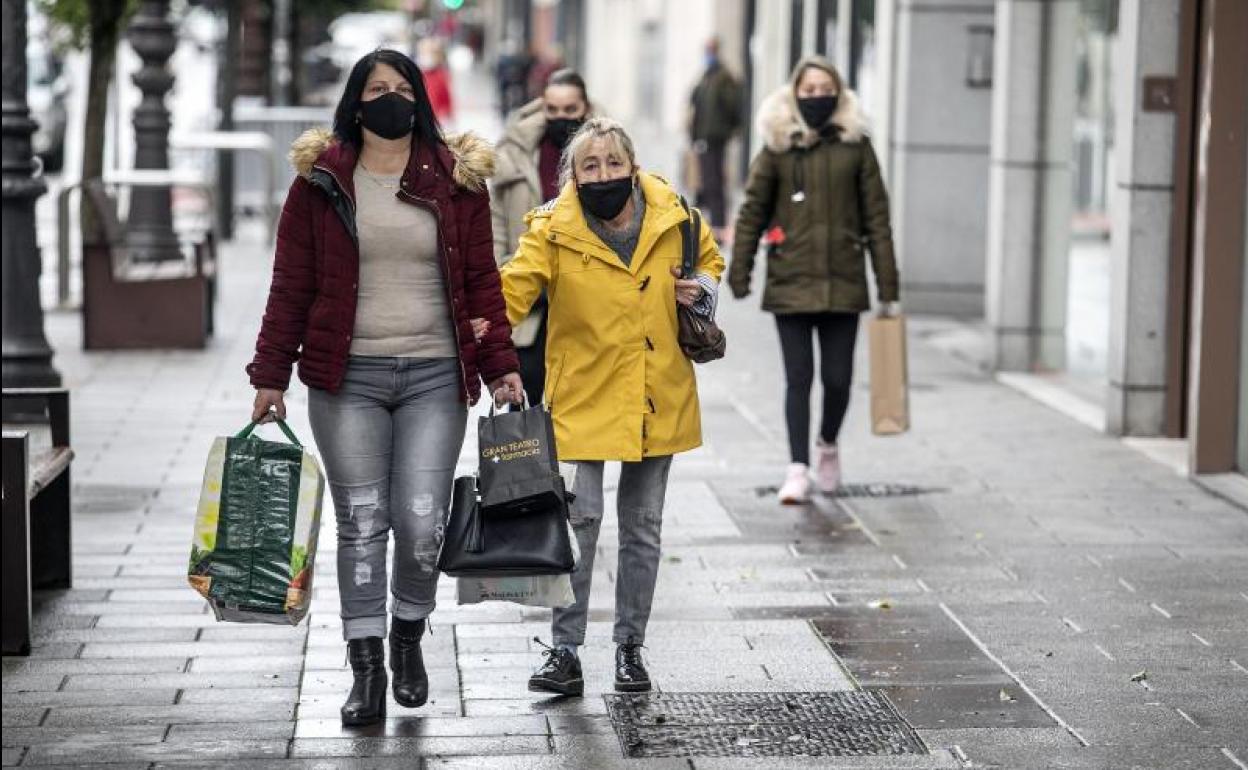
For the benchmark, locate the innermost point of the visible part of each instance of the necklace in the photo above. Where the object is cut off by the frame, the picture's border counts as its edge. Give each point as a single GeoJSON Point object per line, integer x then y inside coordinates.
{"type": "Point", "coordinates": [384, 185]}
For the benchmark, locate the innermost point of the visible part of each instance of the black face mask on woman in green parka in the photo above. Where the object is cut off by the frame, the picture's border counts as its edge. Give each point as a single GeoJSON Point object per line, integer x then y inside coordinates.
{"type": "Point", "coordinates": [816, 110]}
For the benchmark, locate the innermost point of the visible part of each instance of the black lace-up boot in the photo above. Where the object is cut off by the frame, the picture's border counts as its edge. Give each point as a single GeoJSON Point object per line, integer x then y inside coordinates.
{"type": "Point", "coordinates": [411, 683]}
{"type": "Point", "coordinates": [367, 702]}
{"type": "Point", "coordinates": [560, 673]}
{"type": "Point", "coordinates": [630, 671]}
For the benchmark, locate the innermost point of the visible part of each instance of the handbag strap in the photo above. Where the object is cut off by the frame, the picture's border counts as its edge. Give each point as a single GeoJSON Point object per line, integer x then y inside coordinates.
{"type": "Point", "coordinates": [689, 229]}
{"type": "Point", "coordinates": [245, 432]}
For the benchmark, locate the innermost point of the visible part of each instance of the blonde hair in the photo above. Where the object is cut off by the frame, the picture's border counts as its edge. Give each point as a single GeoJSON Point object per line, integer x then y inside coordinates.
{"type": "Point", "coordinates": [606, 129]}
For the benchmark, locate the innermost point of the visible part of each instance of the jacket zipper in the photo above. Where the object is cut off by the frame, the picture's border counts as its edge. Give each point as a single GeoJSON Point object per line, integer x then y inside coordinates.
{"type": "Point", "coordinates": [446, 268]}
{"type": "Point", "coordinates": [350, 204]}
{"type": "Point", "coordinates": [432, 206]}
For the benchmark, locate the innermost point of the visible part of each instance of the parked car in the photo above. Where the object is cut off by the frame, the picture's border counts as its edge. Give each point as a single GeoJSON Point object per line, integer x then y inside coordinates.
{"type": "Point", "coordinates": [46, 90]}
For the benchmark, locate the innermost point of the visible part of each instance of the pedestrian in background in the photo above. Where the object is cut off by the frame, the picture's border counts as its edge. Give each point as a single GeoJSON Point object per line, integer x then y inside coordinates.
{"type": "Point", "coordinates": [512, 75]}
{"type": "Point", "coordinates": [816, 184]}
{"type": "Point", "coordinates": [383, 256]}
{"type": "Point", "coordinates": [431, 57]}
{"type": "Point", "coordinates": [716, 116]}
{"type": "Point", "coordinates": [620, 389]}
{"type": "Point", "coordinates": [545, 64]}
{"type": "Point", "coordinates": [525, 175]}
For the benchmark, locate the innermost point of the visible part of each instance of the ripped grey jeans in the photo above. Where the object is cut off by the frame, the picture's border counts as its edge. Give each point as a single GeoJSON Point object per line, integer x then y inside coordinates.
{"type": "Point", "coordinates": [389, 440]}
{"type": "Point", "coordinates": [639, 509]}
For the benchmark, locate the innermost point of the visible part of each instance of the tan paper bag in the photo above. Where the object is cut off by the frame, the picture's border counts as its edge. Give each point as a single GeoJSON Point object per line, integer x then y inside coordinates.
{"type": "Point", "coordinates": [890, 391]}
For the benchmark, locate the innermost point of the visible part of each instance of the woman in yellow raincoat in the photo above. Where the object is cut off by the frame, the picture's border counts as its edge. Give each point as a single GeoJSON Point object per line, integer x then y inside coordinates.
{"type": "Point", "coordinates": [608, 253]}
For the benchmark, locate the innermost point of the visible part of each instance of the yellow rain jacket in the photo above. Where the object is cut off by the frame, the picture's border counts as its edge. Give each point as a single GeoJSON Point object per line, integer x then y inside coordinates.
{"type": "Point", "coordinates": [617, 384]}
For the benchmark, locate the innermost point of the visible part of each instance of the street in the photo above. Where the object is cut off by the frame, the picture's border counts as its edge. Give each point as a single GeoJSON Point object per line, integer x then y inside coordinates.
{"type": "Point", "coordinates": [1003, 585]}
{"type": "Point", "coordinates": [1034, 587]}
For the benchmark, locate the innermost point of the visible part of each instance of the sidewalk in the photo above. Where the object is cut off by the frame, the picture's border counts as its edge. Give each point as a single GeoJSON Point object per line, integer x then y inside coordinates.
{"type": "Point", "coordinates": [1005, 606]}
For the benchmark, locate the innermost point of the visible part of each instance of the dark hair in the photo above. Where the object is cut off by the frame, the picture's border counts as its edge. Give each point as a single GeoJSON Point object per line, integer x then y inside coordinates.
{"type": "Point", "coordinates": [346, 123]}
{"type": "Point", "coordinates": [568, 77]}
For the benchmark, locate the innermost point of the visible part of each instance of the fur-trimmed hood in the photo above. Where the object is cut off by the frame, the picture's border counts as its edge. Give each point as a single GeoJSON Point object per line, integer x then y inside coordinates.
{"type": "Point", "coordinates": [472, 157]}
{"type": "Point", "coordinates": [780, 123]}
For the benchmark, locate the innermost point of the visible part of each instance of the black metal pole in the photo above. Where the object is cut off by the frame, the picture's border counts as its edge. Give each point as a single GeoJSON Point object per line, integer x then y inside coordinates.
{"type": "Point", "coordinates": [27, 356]}
{"type": "Point", "coordinates": [227, 89]}
{"type": "Point", "coordinates": [747, 86]}
{"type": "Point", "coordinates": [150, 236]}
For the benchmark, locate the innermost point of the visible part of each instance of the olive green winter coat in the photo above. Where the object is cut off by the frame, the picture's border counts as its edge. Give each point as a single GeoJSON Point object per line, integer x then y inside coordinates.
{"type": "Point", "coordinates": [839, 217]}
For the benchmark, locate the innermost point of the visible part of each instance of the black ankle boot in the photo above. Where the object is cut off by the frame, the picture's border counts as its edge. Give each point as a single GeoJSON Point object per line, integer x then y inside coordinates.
{"type": "Point", "coordinates": [630, 671]}
{"type": "Point", "coordinates": [411, 683]}
{"type": "Point", "coordinates": [367, 702]}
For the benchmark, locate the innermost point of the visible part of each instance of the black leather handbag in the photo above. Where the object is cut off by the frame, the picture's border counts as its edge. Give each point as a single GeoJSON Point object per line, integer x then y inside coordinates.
{"type": "Point", "coordinates": [537, 542]}
{"type": "Point", "coordinates": [700, 339]}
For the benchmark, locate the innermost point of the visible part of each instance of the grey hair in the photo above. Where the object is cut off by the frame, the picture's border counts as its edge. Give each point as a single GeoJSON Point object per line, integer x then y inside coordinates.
{"type": "Point", "coordinates": [595, 128]}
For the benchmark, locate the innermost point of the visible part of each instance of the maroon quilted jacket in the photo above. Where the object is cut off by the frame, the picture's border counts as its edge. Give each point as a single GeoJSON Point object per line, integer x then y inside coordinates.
{"type": "Point", "coordinates": [311, 308]}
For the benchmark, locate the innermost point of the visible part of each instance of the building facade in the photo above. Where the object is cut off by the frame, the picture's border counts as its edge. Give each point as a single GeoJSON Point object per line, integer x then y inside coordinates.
{"type": "Point", "coordinates": [1071, 174]}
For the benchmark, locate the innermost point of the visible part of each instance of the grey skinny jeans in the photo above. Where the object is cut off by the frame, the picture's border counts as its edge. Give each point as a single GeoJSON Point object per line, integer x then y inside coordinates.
{"type": "Point", "coordinates": [389, 440]}
{"type": "Point", "coordinates": [643, 487]}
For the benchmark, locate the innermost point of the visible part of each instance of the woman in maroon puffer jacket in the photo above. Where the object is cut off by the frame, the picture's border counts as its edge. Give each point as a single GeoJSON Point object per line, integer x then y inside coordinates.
{"type": "Point", "coordinates": [384, 257]}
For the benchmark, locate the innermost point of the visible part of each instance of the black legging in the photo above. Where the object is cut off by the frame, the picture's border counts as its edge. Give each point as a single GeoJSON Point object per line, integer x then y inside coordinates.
{"type": "Point", "coordinates": [837, 334]}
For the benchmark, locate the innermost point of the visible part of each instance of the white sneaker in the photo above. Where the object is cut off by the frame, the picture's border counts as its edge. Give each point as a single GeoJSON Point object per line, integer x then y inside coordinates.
{"type": "Point", "coordinates": [827, 467]}
{"type": "Point", "coordinates": [796, 487]}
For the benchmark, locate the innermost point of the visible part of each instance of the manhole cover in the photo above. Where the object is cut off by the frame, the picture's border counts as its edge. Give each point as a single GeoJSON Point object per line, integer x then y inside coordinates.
{"type": "Point", "coordinates": [760, 724]}
{"type": "Point", "coordinates": [880, 489]}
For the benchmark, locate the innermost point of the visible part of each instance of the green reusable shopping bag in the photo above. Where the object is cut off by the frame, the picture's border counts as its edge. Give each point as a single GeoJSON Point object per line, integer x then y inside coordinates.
{"type": "Point", "coordinates": [254, 544]}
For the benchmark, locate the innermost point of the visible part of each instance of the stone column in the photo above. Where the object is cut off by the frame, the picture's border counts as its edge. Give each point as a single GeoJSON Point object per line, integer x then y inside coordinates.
{"type": "Point", "coordinates": [1029, 204]}
{"type": "Point", "coordinates": [27, 355]}
{"type": "Point", "coordinates": [1145, 68]}
{"type": "Point", "coordinates": [939, 142]}
{"type": "Point", "coordinates": [149, 230]}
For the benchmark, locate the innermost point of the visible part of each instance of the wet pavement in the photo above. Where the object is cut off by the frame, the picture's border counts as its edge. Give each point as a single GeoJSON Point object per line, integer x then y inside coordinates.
{"type": "Point", "coordinates": [1024, 593]}
{"type": "Point", "coordinates": [1021, 591]}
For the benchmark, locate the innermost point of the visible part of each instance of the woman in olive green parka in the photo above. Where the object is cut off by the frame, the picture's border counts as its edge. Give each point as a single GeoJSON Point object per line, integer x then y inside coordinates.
{"type": "Point", "coordinates": [818, 182]}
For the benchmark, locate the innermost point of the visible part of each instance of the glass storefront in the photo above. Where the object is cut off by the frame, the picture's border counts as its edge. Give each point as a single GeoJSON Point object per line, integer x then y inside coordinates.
{"type": "Point", "coordinates": [1087, 321]}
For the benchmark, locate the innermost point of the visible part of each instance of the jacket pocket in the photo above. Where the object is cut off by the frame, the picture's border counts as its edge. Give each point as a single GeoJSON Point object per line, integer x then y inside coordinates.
{"type": "Point", "coordinates": [552, 384]}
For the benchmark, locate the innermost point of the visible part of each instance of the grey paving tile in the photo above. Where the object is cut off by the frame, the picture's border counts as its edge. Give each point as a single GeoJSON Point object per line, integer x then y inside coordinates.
{"type": "Point", "coordinates": [91, 698]}
{"type": "Point", "coordinates": [22, 716]}
{"type": "Point", "coordinates": [253, 730]}
{"type": "Point", "coordinates": [1087, 758]}
{"type": "Point", "coordinates": [102, 735]}
{"type": "Point", "coordinates": [180, 681]}
{"type": "Point", "coordinates": [146, 633]}
{"type": "Point", "coordinates": [319, 763]}
{"type": "Point", "coordinates": [268, 664]}
{"type": "Point", "coordinates": [219, 750]}
{"type": "Point", "coordinates": [535, 705]}
{"type": "Point", "coordinates": [88, 716]}
{"type": "Point", "coordinates": [113, 666]}
{"type": "Point", "coordinates": [278, 695]}
{"type": "Point", "coordinates": [474, 746]}
{"type": "Point", "coordinates": [286, 646]}
{"type": "Point", "coordinates": [424, 727]}
{"type": "Point", "coordinates": [20, 682]}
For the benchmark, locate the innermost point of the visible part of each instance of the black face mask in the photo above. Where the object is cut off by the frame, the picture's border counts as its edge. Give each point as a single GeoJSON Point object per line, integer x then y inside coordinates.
{"type": "Point", "coordinates": [559, 131]}
{"type": "Point", "coordinates": [389, 116]}
{"type": "Point", "coordinates": [817, 109]}
{"type": "Point", "coordinates": [605, 200]}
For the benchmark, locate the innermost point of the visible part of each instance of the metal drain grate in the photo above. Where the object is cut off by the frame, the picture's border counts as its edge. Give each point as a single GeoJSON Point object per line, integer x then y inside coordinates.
{"type": "Point", "coordinates": [879, 489]}
{"type": "Point", "coordinates": [760, 724]}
